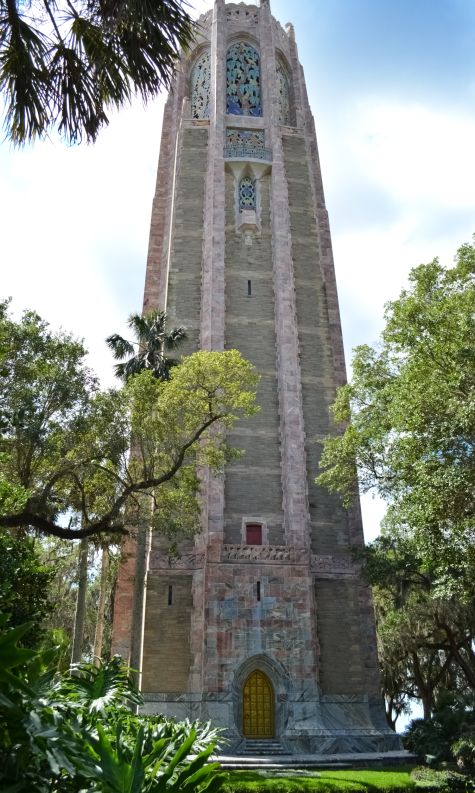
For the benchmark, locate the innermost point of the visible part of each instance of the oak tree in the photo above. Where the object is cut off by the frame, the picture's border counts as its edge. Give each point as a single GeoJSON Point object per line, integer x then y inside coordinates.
{"type": "Point", "coordinates": [65, 464]}
{"type": "Point", "coordinates": [408, 420]}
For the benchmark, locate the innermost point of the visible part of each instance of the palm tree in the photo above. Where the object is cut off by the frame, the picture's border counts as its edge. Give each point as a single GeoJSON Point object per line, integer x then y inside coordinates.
{"type": "Point", "coordinates": [66, 65]}
{"type": "Point", "coordinates": [147, 351]}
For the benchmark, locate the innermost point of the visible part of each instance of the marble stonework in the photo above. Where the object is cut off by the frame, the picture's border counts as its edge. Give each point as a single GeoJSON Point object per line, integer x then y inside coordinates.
{"type": "Point", "coordinates": [240, 254]}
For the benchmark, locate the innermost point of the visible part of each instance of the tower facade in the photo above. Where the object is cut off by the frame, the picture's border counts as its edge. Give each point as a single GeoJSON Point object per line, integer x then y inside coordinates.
{"type": "Point", "coordinates": [263, 624]}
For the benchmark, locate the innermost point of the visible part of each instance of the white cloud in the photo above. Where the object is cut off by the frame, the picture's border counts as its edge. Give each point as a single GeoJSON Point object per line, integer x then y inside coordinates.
{"type": "Point", "coordinates": [420, 155]}
{"type": "Point", "coordinates": [400, 192]}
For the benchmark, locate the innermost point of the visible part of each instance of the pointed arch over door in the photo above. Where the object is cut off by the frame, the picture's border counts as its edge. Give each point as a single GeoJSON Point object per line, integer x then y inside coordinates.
{"type": "Point", "coordinates": [258, 706]}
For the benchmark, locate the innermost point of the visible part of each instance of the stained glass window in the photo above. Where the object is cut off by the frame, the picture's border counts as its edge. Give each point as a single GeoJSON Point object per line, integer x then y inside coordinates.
{"type": "Point", "coordinates": [243, 93]}
{"type": "Point", "coordinates": [247, 193]}
{"type": "Point", "coordinates": [283, 95]}
{"type": "Point", "coordinates": [200, 82]}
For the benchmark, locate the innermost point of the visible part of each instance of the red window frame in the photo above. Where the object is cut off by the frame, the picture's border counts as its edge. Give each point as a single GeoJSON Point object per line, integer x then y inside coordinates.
{"type": "Point", "coordinates": [253, 533]}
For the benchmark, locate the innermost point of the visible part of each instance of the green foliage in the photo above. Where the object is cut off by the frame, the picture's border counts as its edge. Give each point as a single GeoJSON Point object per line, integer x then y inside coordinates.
{"type": "Point", "coordinates": [60, 557]}
{"type": "Point", "coordinates": [66, 444]}
{"type": "Point", "coordinates": [62, 732]}
{"type": "Point", "coordinates": [67, 65]}
{"type": "Point", "coordinates": [425, 641]}
{"type": "Point", "coordinates": [430, 778]}
{"type": "Point", "coordinates": [436, 738]}
{"type": "Point", "coordinates": [463, 751]}
{"type": "Point", "coordinates": [24, 584]}
{"type": "Point", "coordinates": [410, 418]}
{"type": "Point", "coordinates": [147, 351]}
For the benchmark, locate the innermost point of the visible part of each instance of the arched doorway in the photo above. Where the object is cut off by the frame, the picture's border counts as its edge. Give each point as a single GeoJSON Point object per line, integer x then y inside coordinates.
{"type": "Point", "coordinates": [258, 706]}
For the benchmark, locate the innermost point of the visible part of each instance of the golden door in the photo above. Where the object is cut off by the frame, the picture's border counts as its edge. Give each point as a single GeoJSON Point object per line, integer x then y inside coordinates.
{"type": "Point", "coordinates": [258, 706]}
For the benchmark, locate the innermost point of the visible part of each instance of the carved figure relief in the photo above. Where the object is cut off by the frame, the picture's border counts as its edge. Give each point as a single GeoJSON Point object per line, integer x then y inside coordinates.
{"type": "Point", "coordinates": [283, 94]}
{"type": "Point", "coordinates": [263, 553]}
{"type": "Point", "coordinates": [200, 86]}
{"type": "Point", "coordinates": [243, 91]}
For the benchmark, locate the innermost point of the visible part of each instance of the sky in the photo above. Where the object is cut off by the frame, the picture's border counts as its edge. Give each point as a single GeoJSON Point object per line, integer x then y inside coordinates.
{"type": "Point", "coordinates": [392, 88]}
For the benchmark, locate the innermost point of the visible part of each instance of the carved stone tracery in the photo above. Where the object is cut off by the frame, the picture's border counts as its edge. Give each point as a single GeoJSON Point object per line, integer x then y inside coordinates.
{"type": "Point", "coordinates": [200, 86]}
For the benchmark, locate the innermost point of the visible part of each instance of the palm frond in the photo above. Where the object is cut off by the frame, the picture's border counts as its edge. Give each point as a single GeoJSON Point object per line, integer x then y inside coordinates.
{"type": "Point", "coordinates": [174, 338]}
{"type": "Point", "coordinates": [120, 347]}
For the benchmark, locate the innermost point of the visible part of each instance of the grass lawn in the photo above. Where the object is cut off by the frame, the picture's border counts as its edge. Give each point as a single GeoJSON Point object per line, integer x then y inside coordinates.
{"type": "Point", "coordinates": [391, 780]}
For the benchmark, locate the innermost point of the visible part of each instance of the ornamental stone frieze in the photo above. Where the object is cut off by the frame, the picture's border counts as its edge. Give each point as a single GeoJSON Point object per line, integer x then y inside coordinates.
{"type": "Point", "coordinates": [264, 553]}
{"type": "Point", "coordinates": [327, 566]}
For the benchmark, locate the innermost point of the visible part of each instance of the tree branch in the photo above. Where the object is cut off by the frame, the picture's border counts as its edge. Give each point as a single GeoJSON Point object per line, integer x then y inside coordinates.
{"type": "Point", "coordinates": [110, 521]}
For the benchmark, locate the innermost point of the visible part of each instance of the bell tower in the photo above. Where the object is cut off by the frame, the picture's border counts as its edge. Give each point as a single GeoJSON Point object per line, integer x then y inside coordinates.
{"type": "Point", "coordinates": [263, 625]}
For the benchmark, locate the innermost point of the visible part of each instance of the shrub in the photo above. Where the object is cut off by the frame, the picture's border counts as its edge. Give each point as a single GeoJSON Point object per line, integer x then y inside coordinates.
{"type": "Point", "coordinates": [463, 752]}
{"type": "Point", "coordinates": [74, 733]}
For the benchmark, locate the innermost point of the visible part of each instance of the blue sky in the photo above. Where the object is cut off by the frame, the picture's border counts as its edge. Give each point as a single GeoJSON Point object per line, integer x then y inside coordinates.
{"type": "Point", "coordinates": [392, 88]}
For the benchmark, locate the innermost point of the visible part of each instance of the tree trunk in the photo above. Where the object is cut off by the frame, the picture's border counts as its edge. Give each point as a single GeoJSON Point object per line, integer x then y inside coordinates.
{"type": "Point", "coordinates": [466, 665]}
{"type": "Point", "coordinates": [101, 606]}
{"type": "Point", "coordinates": [80, 615]}
{"type": "Point", "coordinates": [138, 609]}
{"type": "Point", "coordinates": [424, 687]}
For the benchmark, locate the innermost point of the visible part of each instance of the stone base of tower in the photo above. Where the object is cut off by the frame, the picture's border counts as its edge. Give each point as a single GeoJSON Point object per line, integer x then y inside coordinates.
{"type": "Point", "coordinates": [339, 724]}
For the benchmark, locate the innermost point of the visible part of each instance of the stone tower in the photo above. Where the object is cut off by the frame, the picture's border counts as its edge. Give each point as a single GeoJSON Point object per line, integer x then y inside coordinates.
{"type": "Point", "coordinates": [263, 626]}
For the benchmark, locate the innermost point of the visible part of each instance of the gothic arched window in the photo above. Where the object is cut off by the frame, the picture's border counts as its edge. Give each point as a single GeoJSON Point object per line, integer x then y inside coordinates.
{"type": "Point", "coordinates": [247, 193]}
{"type": "Point", "coordinates": [283, 94]}
{"type": "Point", "coordinates": [243, 78]}
{"type": "Point", "coordinates": [200, 84]}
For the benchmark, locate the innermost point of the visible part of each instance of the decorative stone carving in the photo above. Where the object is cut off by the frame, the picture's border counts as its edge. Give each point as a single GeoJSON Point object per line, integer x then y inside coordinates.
{"type": "Point", "coordinates": [246, 144]}
{"type": "Point", "coordinates": [251, 138]}
{"type": "Point", "coordinates": [333, 565]}
{"type": "Point", "coordinates": [263, 553]}
{"type": "Point", "coordinates": [247, 193]}
{"type": "Point", "coordinates": [242, 14]}
{"type": "Point", "coordinates": [243, 90]}
{"type": "Point", "coordinates": [200, 85]}
{"type": "Point", "coordinates": [283, 94]}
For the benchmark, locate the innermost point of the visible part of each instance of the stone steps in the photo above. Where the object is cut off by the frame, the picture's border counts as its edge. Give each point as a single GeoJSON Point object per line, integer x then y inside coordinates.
{"type": "Point", "coordinates": [281, 761]}
{"type": "Point", "coordinates": [260, 747]}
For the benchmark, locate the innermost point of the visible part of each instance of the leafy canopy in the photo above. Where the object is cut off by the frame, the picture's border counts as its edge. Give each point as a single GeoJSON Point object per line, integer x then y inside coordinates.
{"type": "Point", "coordinates": [66, 64]}
{"type": "Point", "coordinates": [65, 446]}
{"type": "Point", "coordinates": [409, 418]}
{"type": "Point", "coordinates": [425, 640]}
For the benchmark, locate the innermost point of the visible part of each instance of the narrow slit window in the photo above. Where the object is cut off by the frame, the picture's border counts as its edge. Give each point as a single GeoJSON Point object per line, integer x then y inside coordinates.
{"type": "Point", "coordinates": [258, 591]}
{"type": "Point", "coordinates": [170, 595]}
{"type": "Point", "coordinates": [249, 289]}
